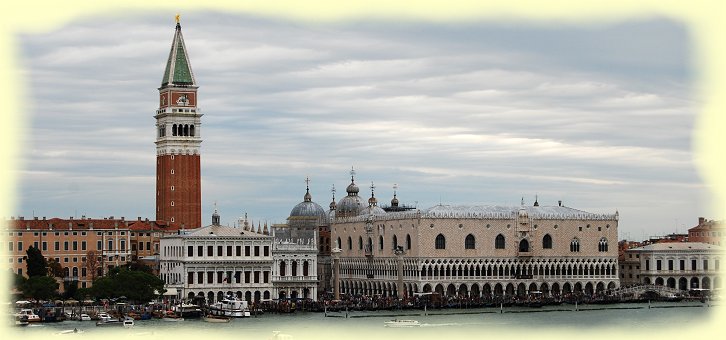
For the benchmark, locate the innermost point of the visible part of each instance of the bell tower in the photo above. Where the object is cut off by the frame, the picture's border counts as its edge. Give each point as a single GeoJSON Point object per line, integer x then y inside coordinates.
{"type": "Point", "coordinates": [178, 122]}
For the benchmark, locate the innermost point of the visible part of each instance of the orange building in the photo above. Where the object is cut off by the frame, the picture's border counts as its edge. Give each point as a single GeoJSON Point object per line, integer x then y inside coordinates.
{"type": "Point", "coordinates": [707, 231]}
{"type": "Point", "coordinates": [86, 248]}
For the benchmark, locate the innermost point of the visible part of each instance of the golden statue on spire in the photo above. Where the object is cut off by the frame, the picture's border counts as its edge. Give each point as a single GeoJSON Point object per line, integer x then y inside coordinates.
{"type": "Point", "coordinates": [177, 18]}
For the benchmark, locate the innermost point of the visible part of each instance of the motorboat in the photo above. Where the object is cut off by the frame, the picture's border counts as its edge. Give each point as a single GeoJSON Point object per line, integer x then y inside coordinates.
{"type": "Point", "coordinates": [31, 316]}
{"type": "Point", "coordinates": [217, 318]}
{"type": "Point", "coordinates": [401, 323]}
{"type": "Point", "coordinates": [84, 317]}
{"type": "Point", "coordinates": [103, 316]}
{"type": "Point", "coordinates": [230, 306]}
{"type": "Point", "coordinates": [187, 310]}
{"type": "Point", "coordinates": [126, 322]}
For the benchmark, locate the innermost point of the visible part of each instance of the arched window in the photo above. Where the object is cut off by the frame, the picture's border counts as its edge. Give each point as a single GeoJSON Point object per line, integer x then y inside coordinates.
{"type": "Point", "coordinates": [380, 242]}
{"type": "Point", "coordinates": [499, 242]}
{"type": "Point", "coordinates": [191, 130]}
{"type": "Point", "coordinates": [186, 130]}
{"type": "Point", "coordinates": [440, 242]}
{"type": "Point", "coordinates": [339, 244]}
{"type": "Point", "coordinates": [282, 268]}
{"type": "Point", "coordinates": [408, 241]}
{"type": "Point", "coordinates": [350, 243]}
{"type": "Point", "coordinates": [369, 246]}
{"type": "Point", "coordinates": [360, 243]}
{"type": "Point", "coordinates": [547, 242]}
{"type": "Point", "coordinates": [305, 268]}
{"type": "Point", "coordinates": [173, 130]}
{"type": "Point", "coordinates": [470, 242]}
{"type": "Point", "coordinates": [395, 242]}
{"type": "Point", "coordinates": [575, 246]}
{"type": "Point", "coordinates": [293, 268]}
{"type": "Point", "coordinates": [524, 246]}
{"type": "Point", "coordinates": [602, 245]}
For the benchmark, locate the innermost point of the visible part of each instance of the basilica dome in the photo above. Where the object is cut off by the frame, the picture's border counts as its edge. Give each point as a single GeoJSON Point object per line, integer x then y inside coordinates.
{"type": "Point", "coordinates": [307, 208]}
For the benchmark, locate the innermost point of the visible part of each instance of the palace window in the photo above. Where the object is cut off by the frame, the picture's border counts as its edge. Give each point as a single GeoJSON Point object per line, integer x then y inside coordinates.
{"type": "Point", "coordinates": [380, 242]}
{"type": "Point", "coordinates": [547, 242]}
{"type": "Point", "coordinates": [395, 242]}
{"type": "Point", "coordinates": [350, 243]}
{"type": "Point", "coordinates": [440, 242]}
{"type": "Point", "coordinates": [602, 246]}
{"type": "Point", "coordinates": [470, 242]}
{"type": "Point", "coordinates": [408, 241]}
{"type": "Point", "coordinates": [575, 246]}
{"type": "Point", "coordinates": [499, 242]}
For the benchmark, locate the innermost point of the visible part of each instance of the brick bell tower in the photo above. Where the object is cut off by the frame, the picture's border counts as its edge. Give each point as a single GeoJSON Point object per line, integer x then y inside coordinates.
{"type": "Point", "coordinates": [178, 122]}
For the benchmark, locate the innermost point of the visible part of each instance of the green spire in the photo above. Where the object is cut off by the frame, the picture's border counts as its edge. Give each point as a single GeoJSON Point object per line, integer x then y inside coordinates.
{"type": "Point", "coordinates": [178, 69]}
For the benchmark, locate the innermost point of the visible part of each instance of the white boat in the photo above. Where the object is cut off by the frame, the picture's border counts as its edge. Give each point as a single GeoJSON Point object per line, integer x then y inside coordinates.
{"type": "Point", "coordinates": [401, 323]}
{"type": "Point", "coordinates": [126, 322]}
{"type": "Point", "coordinates": [84, 317]}
{"type": "Point", "coordinates": [103, 317]}
{"type": "Point", "coordinates": [186, 310]}
{"type": "Point", "coordinates": [230, 306]}
{"type": "Point", "coordinates": [27, 312]}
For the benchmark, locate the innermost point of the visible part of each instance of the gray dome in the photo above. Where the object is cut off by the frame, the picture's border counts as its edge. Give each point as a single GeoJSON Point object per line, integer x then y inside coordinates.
{"type": "Point", "coordinates": [372, 210]}
{"type": "Point", "coordinates": [308, 208]}
{"type": "Point", "coordinates": [350, 206]}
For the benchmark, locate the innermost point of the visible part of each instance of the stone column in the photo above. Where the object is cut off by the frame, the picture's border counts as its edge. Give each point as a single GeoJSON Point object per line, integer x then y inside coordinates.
{"type": "Point", "coordinates": [335, 253]}
{"type": "Point", "coordinates": [399, 257]}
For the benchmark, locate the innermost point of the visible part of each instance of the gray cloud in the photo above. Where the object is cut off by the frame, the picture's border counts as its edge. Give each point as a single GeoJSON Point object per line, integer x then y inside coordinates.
{"type": "Point", "coordinates": [599, 116]}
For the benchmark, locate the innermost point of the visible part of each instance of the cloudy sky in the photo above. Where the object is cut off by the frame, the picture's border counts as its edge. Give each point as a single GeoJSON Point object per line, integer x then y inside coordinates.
{"type": "Point", "coordinates": [481, 112]}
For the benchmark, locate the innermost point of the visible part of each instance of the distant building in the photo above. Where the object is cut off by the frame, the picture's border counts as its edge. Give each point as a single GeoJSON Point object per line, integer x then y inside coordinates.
{"type": "Point", "coordinates": [112, 242]}
{"type": "Point", "coordinates": [215, 261]}
{"type": "Point", "coordinates": [296, 251]}
{"type": "Point", "coordinates": [474, 250]}
{"type": "Point", "coordinates": [683, 265]}
{"type": "Point", "coordinates": [707, 231]}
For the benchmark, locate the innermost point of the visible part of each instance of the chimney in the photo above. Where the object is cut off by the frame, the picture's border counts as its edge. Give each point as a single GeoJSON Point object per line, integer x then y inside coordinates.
{"type": "Point", "coordinates": [43, 218]}
{"type": "Point", "coordinates": [138, 218]}
{"type": "Point", "coordinates": [559, 203]}
{"type": "Point", "coordinates": [122, 218]}
{"type": "Point", "coordinates": [22, 218]}
{"type": "Point", "coordinates": [701, 220]}
{"type": "Point", "coordinates": [35, 218]}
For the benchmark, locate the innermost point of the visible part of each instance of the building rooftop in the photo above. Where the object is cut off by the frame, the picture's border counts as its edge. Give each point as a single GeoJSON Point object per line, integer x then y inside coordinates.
{"type": "Point", "coordinates": [679, 246]}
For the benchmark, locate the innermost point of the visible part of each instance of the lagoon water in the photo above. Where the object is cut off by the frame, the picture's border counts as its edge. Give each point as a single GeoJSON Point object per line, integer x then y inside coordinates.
{"type": "Point", "coordinates": [589, 320]}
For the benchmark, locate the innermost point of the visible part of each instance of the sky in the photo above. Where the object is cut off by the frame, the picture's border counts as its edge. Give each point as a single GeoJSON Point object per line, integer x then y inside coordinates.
{"type": "Point", "coordinates": [600, 117]}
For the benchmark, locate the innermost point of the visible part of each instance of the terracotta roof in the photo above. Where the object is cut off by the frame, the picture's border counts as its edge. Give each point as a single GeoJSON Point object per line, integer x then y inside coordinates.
{"type": "Point", "coordinates": [81, 224]}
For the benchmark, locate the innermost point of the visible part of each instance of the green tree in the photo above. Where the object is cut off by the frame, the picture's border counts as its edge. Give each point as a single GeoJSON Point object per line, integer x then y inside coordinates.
{"type": "Point", "coordinates": [139, 266]}
{"type": "Point", "coordinates": [136, 286]}
{"type": "Point", "coordinates": [40, 287]}
{"type": "Point", "coordinates": [18, 281]}
{"type": "Point", "coordinates": [55, 269]}
{"type": "Point", "coordinates": [36, 263]}
{"type": "Point", "coordinates": [70, 288]}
